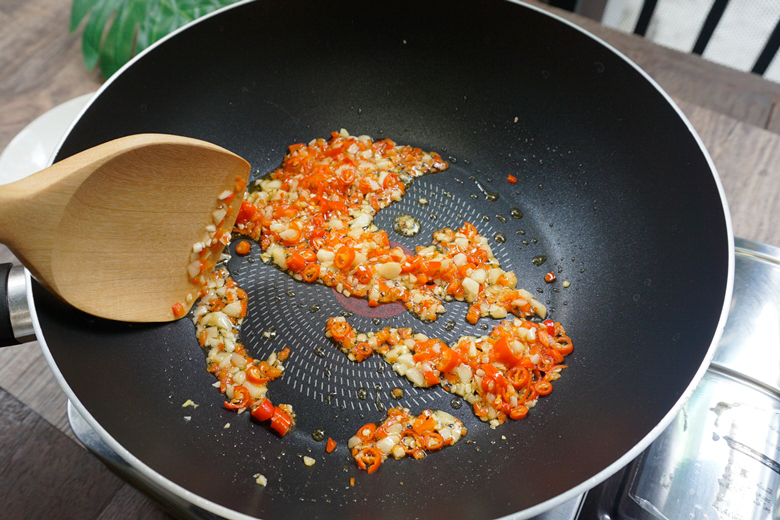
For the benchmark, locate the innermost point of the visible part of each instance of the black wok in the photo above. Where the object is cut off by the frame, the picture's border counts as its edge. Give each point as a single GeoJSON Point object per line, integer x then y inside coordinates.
{"type": "Point", "coordinates": [615, 188]}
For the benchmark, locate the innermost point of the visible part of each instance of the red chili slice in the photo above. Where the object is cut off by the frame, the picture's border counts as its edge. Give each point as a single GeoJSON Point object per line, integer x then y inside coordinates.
{"type": "Point", "coordinates": [369, 459]}
{"type": "Point", "coordinates": [241, 398]}
{"type": "Point", "coordinates": [264, 410]}
{"type": "Point", "coordinates": [281, 422]}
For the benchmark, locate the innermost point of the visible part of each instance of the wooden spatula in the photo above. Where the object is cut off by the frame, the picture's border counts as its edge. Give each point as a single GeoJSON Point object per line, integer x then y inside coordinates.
{"type": "Point", "coordinates": [111, 230]}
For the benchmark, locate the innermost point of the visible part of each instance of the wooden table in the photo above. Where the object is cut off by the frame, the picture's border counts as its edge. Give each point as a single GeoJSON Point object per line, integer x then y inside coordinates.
{"type": "Point", "coordinates": [46, 473]}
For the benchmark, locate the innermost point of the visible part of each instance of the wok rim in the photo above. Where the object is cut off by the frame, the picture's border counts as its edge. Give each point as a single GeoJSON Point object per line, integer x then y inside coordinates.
{"type": "Point", "coordinates": [537, 509]}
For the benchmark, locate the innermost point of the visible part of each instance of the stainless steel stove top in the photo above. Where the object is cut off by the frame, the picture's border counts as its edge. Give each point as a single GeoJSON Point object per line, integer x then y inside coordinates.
{"type": "Point", "coordinates": [719, 457]}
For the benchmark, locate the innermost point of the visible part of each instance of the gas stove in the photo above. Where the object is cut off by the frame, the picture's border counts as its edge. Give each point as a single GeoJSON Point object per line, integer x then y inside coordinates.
{"type": "Point", "coordinates": [718, 459]}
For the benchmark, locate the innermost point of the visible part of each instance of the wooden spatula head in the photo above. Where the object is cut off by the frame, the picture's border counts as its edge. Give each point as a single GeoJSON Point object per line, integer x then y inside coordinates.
{"type": "Point", "coordinates": [111, 229]}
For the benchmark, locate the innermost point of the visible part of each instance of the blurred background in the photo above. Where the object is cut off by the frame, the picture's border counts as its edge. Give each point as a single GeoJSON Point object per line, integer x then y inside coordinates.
{"type": "Point", "coordinates": [741, 34]}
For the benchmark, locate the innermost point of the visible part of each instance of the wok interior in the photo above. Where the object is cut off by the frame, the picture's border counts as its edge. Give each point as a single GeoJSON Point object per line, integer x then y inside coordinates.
{"type": "Point", "coordinates": [613, 187]}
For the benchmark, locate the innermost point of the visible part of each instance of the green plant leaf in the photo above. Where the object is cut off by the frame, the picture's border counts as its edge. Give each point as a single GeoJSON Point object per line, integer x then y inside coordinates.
{"type": "Point", "coordinates": [79, 11]}
{"type": "Point", "coordinates": [117, 46]}
{"type": "Point", "coordinates": [116, 30]}
{"type": "Point", "coordinates": [93, 31]}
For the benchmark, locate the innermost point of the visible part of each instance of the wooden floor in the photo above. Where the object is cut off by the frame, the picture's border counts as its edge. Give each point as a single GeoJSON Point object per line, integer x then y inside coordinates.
{"type": "Point", "coordinates": [46, 474]}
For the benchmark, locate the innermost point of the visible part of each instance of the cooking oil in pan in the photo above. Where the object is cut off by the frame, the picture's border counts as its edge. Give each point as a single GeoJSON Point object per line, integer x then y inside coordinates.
{"type": "Point", "coordinates": [406, 225]}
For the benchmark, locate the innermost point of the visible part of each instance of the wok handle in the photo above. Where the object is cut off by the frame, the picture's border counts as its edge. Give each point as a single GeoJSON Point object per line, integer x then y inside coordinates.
{"type": "Point", "coordinates": [15, 321]}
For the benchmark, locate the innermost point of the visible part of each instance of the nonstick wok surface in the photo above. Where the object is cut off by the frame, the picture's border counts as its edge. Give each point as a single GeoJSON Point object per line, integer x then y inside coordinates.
{"type": "Point", "coordinates": [615, 191]}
